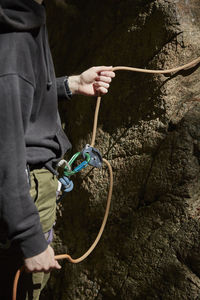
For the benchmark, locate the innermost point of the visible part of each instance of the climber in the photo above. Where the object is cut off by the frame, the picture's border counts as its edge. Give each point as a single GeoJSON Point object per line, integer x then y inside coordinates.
{"type": "Point", "coordinates": [32, 142]}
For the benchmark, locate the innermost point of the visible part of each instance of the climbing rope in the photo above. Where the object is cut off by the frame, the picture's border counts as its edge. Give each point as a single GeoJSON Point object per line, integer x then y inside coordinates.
{"type": "Point", "coordinates": [67, 256]}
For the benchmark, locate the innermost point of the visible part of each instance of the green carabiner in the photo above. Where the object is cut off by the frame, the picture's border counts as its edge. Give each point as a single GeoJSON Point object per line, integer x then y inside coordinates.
{"type": "Point", "coordinates": [81, 166]}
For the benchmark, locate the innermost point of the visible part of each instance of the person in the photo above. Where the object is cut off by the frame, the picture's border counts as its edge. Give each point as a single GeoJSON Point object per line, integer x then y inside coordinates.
{"type": "Point", "coordinates": [32, 142]}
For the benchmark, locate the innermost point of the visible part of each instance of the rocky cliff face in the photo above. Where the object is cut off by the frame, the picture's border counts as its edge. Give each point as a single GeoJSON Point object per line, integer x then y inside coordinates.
{"type": "Point", "coordinates": [149, 130]}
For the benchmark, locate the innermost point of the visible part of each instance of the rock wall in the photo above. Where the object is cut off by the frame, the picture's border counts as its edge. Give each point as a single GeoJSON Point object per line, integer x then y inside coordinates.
{"type": "Point", "coordinates": [150, 132]}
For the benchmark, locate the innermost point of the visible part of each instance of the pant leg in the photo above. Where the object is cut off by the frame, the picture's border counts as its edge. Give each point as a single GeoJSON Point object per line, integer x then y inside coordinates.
{"type": "Point", "coordinates": [43, 192]}
{"type": "Point", "coordinates": [34, 284]}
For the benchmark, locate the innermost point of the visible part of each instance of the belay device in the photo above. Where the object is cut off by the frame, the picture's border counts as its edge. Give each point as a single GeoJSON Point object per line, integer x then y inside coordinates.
{"type": "Point", "coordinates": [92, 157]}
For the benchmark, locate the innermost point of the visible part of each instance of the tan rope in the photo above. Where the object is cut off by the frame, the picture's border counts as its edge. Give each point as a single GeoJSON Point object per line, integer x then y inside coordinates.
{"type": "Point", "coordinates": [77, 260]}
{"type": "Point", "coordinates": [67, 256]}
{"type": "Point", "coordinates": [189, 65]}
{"type": "Point", "coordinates": [96, 114]}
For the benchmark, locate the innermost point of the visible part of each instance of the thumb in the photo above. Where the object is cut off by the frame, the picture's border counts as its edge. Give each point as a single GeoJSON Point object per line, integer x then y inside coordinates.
{"type": "Point", "coordinates": [57, 266]}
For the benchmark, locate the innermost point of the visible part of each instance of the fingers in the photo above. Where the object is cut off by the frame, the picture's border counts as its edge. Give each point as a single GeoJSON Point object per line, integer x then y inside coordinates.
{"type": "Point", "coordinates": [104, 71]}
{"type": "Point", "coordinates": [98, 84]}
{"type": "Point", "coordinates": [43, 262]}
{"type": "Point", "coordinates": [101, 87]}
{"type": "Point", "coordinates": [102, 82]}
{"type": "Point", "coordinates": [110, 74]}
{"type": "Point", "coordinates": [100, 91]}
{"type": "Point", "coordinates": [57, 265]}
{"type": "Point", "coordinates": [103, 79]}
{"type": "Point", "coordinates": [54, 265]}
{"type": "Point", "coordinates": [43, 268]}
{"type": "Point", "coordinates": [102, 68]}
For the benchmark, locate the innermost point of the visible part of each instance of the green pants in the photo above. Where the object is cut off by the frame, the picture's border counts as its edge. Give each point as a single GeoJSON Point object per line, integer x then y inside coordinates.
{"type": "Point", "coordinates": [43, 191]}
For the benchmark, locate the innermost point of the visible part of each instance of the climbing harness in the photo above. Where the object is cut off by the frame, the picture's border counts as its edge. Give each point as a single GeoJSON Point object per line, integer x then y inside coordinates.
{"type": "Point", "coordinates": [92, 156]}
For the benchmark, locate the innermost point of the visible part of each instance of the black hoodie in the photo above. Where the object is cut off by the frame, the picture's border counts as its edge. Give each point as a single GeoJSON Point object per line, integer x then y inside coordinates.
{"type": "Point", "coordinates": [30, 129]}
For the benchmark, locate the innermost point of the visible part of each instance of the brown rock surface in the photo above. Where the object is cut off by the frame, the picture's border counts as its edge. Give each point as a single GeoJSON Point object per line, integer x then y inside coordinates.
{"type": "Point", "coordinates": [149, 130]}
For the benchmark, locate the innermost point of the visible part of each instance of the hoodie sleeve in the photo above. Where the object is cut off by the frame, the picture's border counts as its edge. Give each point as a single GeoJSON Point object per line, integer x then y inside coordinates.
{"type": "Point", "coordinates": [17, 208]}
{"type": "Point", "coordinates": [63, 90]}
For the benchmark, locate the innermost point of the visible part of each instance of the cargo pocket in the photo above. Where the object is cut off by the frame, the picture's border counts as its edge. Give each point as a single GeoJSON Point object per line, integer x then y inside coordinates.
{"type": "Point", "coordinates": [43, 191]}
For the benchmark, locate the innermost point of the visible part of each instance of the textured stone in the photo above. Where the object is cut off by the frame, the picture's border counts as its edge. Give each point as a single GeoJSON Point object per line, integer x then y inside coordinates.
{"type": "Point", "coordinates": [150, 132]}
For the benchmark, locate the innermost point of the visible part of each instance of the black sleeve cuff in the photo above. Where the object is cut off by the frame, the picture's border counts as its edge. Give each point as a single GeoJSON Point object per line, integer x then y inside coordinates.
{"type": "Point", "coordinates": [63, 89]}
{"type": "Point", "coordinates": [34, 245]}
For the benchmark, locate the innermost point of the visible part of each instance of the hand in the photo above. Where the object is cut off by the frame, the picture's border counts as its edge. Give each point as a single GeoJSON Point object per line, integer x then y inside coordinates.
{"type": "Point", "coordinates": [43, 262]}
{"type": "Point", "coordinates": [93, 82]}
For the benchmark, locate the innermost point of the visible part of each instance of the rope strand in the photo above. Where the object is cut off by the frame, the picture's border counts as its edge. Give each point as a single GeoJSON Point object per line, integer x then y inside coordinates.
{"type": "Point", "coordinates": [67, 256]}
{"type": "Point", "coordinates": [187, 66]}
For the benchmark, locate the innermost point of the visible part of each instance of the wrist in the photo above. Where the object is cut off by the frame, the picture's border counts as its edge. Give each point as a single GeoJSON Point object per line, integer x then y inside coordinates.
{"type": "Point", "coordinates": [74, 83]}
